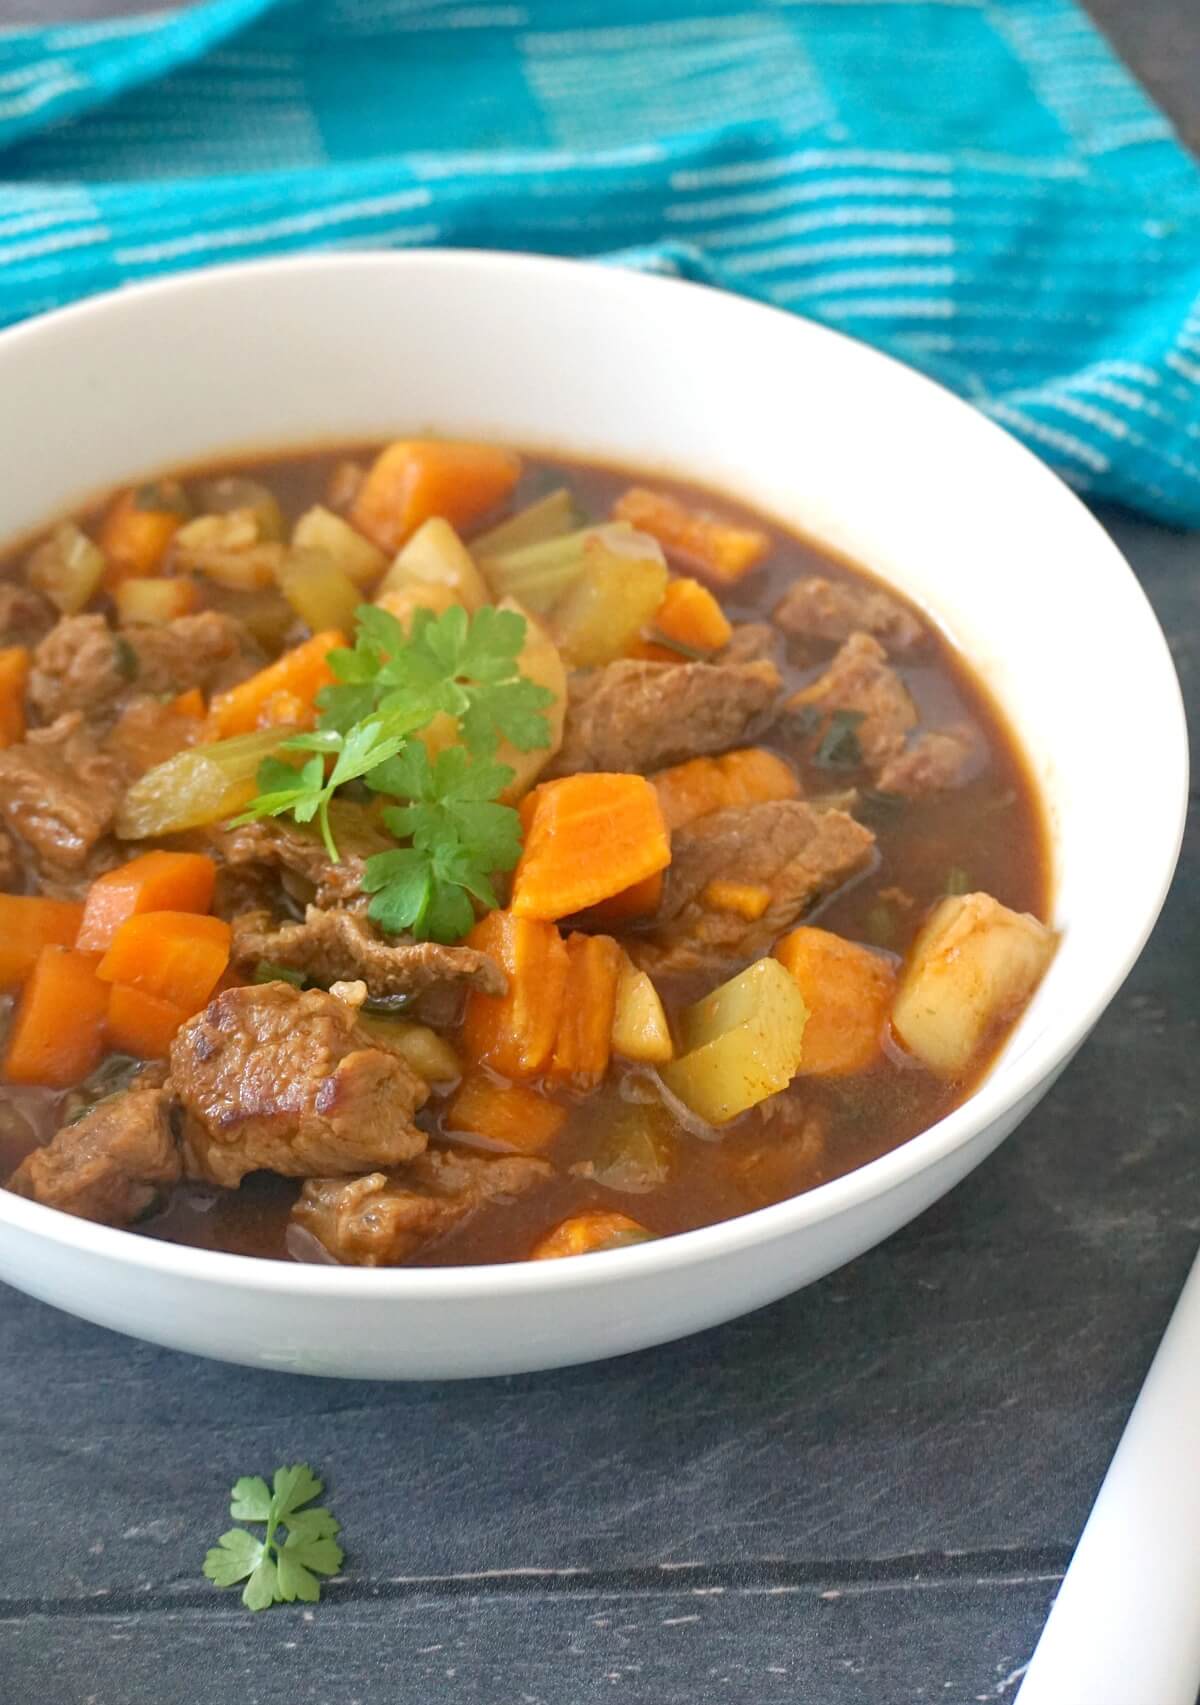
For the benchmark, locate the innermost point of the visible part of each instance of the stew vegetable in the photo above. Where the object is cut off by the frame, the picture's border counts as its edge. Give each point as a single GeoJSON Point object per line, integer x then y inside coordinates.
{"type": "Point", "coordinates": [437, 855]}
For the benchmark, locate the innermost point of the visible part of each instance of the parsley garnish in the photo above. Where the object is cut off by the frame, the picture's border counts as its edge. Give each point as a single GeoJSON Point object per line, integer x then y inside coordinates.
{"type": "Point", "coordinates": [389, 687]}
{"type": "Point", "coordinates": [125, 657]}
{"type": "Point", "coordinates": [839, 748]}
{"type": "Point", "coordinates": [460, 836]}
{"type": "Point", "coordinates": [277, 1570]}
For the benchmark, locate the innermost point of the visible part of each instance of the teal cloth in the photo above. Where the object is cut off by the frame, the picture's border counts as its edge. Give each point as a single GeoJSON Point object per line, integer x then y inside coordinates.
{"type": "Point", "coordinates": [976, 186]}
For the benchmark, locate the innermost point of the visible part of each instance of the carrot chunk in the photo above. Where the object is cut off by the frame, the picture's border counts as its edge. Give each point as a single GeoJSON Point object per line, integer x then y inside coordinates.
{"type": "Point", "coordinates": [178, 956]}
{"type": "Point", "coordinates": [190, 704]}
{"type": "Point", "coordinates": [748, 899]}
{"type": "Point", "coordinates": [14, 675]}
{"type": "Point", "coordinates": [588, 1233]}
{"type": "Point", "coordinates": [716, 548]}
{"type": "Point", "coordinates": [138, 529]}
{"type": "Point", "coordinates": [301, 672]}
{"type": "Point", "coordinates": [590, 837]}
{"type": "Point", "coordinates": [27, 924]}
{"type": "Point", "coordinates": [413, 480]}
{"type": "Point", "coordinates": [153, 882]}
{"type": "Point", "coordinates": [639, 900]}
{"type": "Point", "coordinates": [509, 1114]}
{"type": "Point", "coordinates": [142, 1024]}
{"type": "Point", "coordinates": [690, 614]}
{"type": "Point", "coordinates": [848, 991]}
{"type": "Point", "coordinates": [57, 1035]}
{"type": "Point", "coordinates": [514, 1033]}
{"type": "Point", "coordinates": [584, 1041]}
{"type": "Point", "coordinates": [748, 776]}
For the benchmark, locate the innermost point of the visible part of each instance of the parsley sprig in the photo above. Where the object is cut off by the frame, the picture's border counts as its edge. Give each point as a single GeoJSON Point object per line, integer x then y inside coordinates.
{"type": "Point", "coordinates": [388, 687]}
{"type": "Point", "coordinates": [277, 1570]}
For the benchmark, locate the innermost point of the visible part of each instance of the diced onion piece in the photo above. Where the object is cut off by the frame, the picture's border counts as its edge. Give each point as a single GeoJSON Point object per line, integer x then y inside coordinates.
{"type": "Point", "coordinates": [67, 568]}
{"type": "Point", "coordinates": [744, 1042]}
{"type": "Point", "coordinates": [230, 549]}
{"type": "Point", "coordinates": [202, 785]}
{"type": "Point", "coordinates": [155, 600]}
{"type": "Point", "coordinates": [549, 518]}
{"type": "Point", "coordinates": [972, 967]}
{"type": "Point", "coordinates": [231, 492]}
{"type": "Point", "coordinates": [634, 1151]}
{"type": "Point", "coordinates": [322, 594]}
{"type": "Point", "coordinates": [319, 529]}
{"type": "Point", "coordinates": [640, 1030]}
{"type": "Point", "coordinates": [435, 555]}
{"type": "Point", "coordinates": [621, 586]}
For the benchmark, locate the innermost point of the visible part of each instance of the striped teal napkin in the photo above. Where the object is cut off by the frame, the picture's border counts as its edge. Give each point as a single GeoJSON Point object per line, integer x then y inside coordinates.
{"type": "Point", "coordinates": [977, 186]}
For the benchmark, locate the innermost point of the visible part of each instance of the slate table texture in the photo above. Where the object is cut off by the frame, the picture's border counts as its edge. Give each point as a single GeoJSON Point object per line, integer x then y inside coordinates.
{"type": "Point", "coordinates": [866, 1493]}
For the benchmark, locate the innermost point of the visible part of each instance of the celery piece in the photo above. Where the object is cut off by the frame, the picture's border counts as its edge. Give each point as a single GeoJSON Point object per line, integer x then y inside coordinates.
{"type": "Point", "coordinates": [67, 568]}
{"type": "Point", "coordinates": [203, 785]}
{"type": "Point", "coordinates": [235, 491]}
{"type": "Point", "coordinates": [744, 1042]}
{"type": "Point", "coordinates": [538, 575]}
{"type": "Point", "coordinates": [604, 610]}
{"type": "Point", "coordinates": [549, 518]}
{"type": "Point", "coordinates": [634, 1154]}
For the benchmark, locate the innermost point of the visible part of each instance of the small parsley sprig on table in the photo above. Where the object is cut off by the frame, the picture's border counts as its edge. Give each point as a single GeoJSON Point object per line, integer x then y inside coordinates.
{"type": "Point", "coordinates": [277, 1570]}
{"type": "Point", "coordinates": [389, 687]}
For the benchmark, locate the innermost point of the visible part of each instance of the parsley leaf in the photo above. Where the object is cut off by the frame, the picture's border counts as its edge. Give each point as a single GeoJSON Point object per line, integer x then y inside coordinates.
{"type": "Point", "coordinates": [467, 667]}
{"type": "Point", "coordinates": [277, 1570]}
{"type": "Point", "coordinates": [839, 748]}
{"type": "Point", "coordinates": [460, 837]}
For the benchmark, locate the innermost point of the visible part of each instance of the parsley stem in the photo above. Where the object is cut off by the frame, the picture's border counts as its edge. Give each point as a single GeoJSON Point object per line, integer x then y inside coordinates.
{"type": "Point", "coordinates": [327, 832]}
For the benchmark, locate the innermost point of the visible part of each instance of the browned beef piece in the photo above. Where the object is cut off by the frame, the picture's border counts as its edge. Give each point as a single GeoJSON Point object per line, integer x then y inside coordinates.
{"type": "Point", "coordinates": [933, 763]}
{"type": "Point", "coordinates": [12, 874]}
{"type": "Point", "coordinates": [859, 680]}
{"type": "Point", "coordinates": [148, 732]}
{"type": "Point", "coordinates": [298, 856]}
{"type": "Point", "coordinates": [24, 614]}
{"type": "Point", "coordinates": [799, 853]}
{"type": "Point", "coordinates": [816, 608]}
{"type": "Point", "coordinates": [642, 716]}
{"type": "Point", "coordinates": [111, 1165]}
{"type": "Point", "coordinates": [385, 1218]}
{"type": "Point", "coordinates": [83, 664]}
{"type": "Point", "coordinates": [338, 945]}
{"type": "Point", "coordinates": [752, 642]}
{"type": "Point", "coordinates": [274, 1080]}
{"type": "Point", "coordinates": [58, 794]}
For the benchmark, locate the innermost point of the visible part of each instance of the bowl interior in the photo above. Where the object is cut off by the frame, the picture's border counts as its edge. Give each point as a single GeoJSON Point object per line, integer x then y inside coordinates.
{"type": "Point", "coordinates": [817, 431]}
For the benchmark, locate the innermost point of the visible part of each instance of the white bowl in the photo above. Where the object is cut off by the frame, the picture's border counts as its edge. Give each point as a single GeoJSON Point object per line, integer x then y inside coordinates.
{"type": "Point", "coordinates": [813, 429]}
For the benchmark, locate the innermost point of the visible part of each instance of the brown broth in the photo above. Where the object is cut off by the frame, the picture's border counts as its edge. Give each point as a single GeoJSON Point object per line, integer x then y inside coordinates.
{"type": "Point", "coordinates": [992, 831]}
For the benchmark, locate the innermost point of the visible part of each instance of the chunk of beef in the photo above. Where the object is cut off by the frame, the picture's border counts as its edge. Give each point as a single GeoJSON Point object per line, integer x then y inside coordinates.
{"type": "Point", "coordinates": [642, 716]}
{"type": "Point", "coordinates": [336, 945]}
{"type": "Point", "coordinates": [12, 874]}
{"type": "Point", "coordinates": [385, 1218]}
{"type": "Point", "coordinates": [24, 614]}
{"type": "Point", "coordinates": [148, 732]}
{"type": "Point", "coordinates": [931, 764]}
{"type": "Point", "coordinates": [859, 681]}
{"type": "Point", "coordinates": [816, 608]}
{"type": "Point", "coordinates": [111, 1165]}
{"type": "Point", "coordinates": [82, 664]}
{"type": "Point", "coordinates": [298, 855]}
{"type": "Point", "coordinates": [800, 854]}
{"type": "Point", "coordinates": [59, 792]}
{"type": "Point", "coordinates": [752, 642]}
{"type": "Point", "coordinates": [272, 1079]}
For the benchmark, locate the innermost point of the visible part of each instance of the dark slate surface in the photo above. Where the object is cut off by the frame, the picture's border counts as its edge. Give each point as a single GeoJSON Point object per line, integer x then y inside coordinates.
{"type": "Point", "coordinates": [868, 1492]}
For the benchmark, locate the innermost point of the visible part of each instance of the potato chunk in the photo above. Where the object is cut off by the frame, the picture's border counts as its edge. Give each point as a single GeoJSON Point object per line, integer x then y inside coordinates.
{"type": "Point", "coordinates": [973, 966]}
